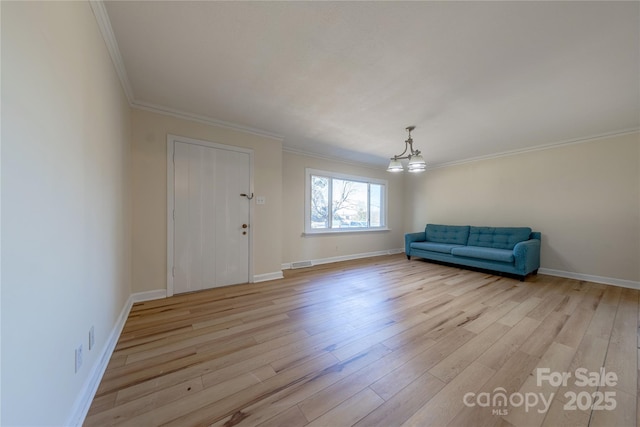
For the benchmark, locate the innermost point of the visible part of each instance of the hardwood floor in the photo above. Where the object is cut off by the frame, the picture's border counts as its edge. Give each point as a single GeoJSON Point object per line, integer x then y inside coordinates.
{"type": "Point", "coordinates": [376, 342]}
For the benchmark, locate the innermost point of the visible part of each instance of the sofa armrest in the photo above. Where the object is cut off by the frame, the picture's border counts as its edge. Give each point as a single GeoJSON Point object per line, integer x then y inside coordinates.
{"type": "Point", "coordinates": [527, 255]}
{"type": "Point", "coordinates": [413, 237]}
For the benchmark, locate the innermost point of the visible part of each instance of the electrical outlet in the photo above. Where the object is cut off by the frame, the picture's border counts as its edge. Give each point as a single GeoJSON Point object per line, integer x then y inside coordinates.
{"type": "Point", "coordinates": [92, 338]}
{"type": "Point", "coordinates": [78, 358]}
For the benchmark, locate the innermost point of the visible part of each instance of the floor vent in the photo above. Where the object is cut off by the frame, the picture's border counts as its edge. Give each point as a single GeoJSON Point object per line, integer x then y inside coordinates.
{"type": "Point", "coordinates": [301, 264]}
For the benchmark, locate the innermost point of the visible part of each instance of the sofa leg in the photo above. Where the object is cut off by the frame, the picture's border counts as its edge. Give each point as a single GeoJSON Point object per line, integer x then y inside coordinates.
{"type": "Point", "coordinates": [522, 278]}
{"type": "Point", "coordinates": [409, 257]}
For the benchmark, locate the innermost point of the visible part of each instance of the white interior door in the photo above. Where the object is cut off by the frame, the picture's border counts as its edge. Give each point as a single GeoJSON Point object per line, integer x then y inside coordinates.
{"type": "Point", "coordinates": [211, 218]}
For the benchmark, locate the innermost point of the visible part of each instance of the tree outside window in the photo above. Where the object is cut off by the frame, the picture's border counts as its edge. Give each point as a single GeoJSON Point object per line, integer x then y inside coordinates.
{"type": "Point", "coordinates": [342, 203]}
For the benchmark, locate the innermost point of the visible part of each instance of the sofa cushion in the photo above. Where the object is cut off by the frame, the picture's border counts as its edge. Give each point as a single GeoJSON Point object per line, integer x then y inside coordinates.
{"type": "Point", "coordinates": [498, 237]}
{"type": "Point", "coordinates": [452, 234]}
{"type": "Point", "coordinates": [503, 255]}
{"type": "Point", "coordinates": [445, 248]}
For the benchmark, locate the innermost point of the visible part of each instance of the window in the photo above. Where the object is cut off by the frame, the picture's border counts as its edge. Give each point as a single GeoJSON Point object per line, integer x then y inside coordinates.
{"type": "Point", "coordinates": [338, 203]}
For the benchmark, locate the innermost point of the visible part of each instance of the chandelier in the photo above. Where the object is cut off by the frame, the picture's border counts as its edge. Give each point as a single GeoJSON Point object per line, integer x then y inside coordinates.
{"type": "Point", "coordinates": [416, 162]}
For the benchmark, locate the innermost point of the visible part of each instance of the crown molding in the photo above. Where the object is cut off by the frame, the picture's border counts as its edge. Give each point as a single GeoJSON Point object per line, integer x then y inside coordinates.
{"type": "Point", "coordinates": [104, 23]}
{"type": "Point", "coordinates": [167, 111]}
{"type": "Point", "coordinates": [536, 148]}
{"type": "Point", "coordinates": [298, 152]}
{"type": "Point", "coordinates": [548, 146]}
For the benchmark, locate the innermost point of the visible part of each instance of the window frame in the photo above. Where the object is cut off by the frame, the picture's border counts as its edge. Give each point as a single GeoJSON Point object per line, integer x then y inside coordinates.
{"type": "Point", "coordinates": [309, 172]}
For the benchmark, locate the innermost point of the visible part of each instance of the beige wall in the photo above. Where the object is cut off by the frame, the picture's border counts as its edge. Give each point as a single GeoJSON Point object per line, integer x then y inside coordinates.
{"type": "Point", "coordinates": [584, 198]}
{"type": "Point", "coordinates": [297, 247]}
{"type": "Point", "coordinates": [66, 213]}
{"type": "Point", "coordinates": [149, 144]}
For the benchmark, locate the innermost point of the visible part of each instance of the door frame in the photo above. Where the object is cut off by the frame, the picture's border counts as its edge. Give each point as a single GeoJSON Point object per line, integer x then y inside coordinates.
{"type": "Point", "coordinates": [171, 140]}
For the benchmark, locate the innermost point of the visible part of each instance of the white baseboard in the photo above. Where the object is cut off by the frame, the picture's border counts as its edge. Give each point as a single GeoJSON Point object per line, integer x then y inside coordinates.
{"type": "Point", "coordinates": [88, 391]}
{"type": "Point", "coordinates": [267, 276]}
{"type": "Point", "coordinates": [548, 271]}
{"type": "Point", "coordinates": [287, 265]}
{"type": "Point", "coordinates": [590, 278]}
{"type": "Point", "coordinates": [148, 296]}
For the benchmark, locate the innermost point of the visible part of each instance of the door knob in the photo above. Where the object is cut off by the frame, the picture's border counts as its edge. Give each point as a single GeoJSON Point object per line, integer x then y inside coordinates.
{"type": "Point", "coordinates": [244, 226]}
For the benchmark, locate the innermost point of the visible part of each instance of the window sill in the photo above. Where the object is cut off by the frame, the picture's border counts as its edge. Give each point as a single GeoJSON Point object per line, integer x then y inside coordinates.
{"type": "Point", "coordinates": [343, 231]}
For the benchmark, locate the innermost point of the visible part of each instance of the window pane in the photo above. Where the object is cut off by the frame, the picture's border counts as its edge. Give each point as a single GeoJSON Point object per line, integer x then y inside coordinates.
{"type": "Point", "coordinates": [319, 202]}
{"type": "Point", "coordinates": [336, 202]}
{"type": "Point", "coordinates": [375, 205]}
{"type": "Point", "coordinates": [349, 204]}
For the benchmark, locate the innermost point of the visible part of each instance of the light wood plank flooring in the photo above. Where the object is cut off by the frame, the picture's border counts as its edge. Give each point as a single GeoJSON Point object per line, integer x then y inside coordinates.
{"type": "Point", "coordinates": [374, 342]}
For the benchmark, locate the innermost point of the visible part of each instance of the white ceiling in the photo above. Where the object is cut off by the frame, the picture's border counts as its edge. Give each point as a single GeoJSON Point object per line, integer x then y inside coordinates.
{"type": "Point", "coordinates": [346, 78]}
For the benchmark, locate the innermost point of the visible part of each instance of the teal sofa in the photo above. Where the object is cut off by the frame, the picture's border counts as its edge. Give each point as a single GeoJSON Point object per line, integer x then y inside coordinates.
{"type": "Point", "coordinates": [510, 250]}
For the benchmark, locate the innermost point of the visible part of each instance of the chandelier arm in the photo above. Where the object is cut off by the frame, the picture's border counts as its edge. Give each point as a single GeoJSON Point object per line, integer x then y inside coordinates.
{"type": "Point", "coordinates": [410, 143]}
{"type": "Point", "coordinates": [401, 156]}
